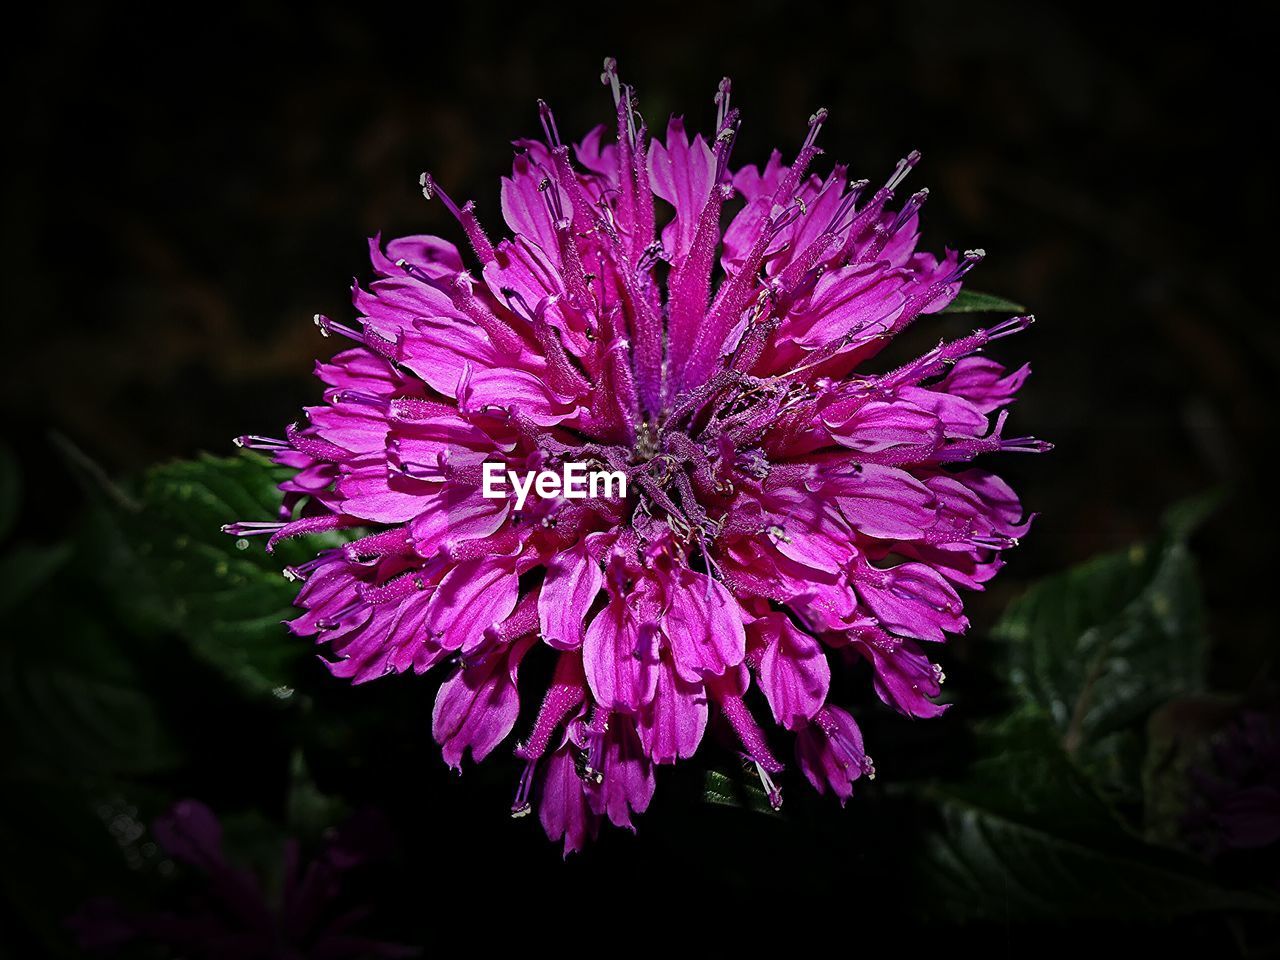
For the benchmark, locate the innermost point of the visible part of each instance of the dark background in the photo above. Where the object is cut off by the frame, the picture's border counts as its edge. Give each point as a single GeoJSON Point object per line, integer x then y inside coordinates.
{"type": "Point", "coordinates": [186, 189]}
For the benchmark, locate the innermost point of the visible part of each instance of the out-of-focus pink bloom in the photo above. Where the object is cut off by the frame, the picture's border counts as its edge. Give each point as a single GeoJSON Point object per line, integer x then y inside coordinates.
{"type": "Point", "coordinates": [1235, 792]}
{"type": "Point", "coordinates": [230, 913]}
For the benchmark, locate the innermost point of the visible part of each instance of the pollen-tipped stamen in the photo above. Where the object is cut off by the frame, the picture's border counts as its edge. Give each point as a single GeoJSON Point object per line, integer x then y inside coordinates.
{"type": "Point", "coordinates": [465, 215]}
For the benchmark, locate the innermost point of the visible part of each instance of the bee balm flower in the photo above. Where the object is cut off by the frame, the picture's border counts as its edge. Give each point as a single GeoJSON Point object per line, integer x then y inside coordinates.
{"type": "Point", "coordinates": [784, 508]}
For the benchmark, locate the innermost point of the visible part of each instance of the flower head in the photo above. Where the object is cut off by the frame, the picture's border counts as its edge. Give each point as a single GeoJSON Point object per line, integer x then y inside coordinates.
{"type": "Point", "coordinates": [784, 506]}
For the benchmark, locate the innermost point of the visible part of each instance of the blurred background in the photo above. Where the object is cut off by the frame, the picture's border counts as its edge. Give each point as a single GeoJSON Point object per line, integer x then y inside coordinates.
{"type": "Point", "coordinates": [187, 189]}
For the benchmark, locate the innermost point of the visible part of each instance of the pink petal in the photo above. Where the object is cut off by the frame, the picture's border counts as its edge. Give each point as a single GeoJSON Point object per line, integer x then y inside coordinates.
{"type": "Point", "coordinates": [474, 596]}
{"type": "Point", "coordinates": [573, 580]}
{"type": "Point", "coordinates": [704, 626]}
{"type": "Point", "coordinates": [620, 659]}
{"type": "Point", "coordinates": [671, 727]}
{"type": "Point", "coordinates": [476, 708]}
{"type": "Point", "coordinates": [794, 674]}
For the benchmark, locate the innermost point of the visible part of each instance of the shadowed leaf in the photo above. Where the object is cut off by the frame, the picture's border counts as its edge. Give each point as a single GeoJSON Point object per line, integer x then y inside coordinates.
{"type": "Point", "coordinates": [1025, 835]}
{"type": "Point", "coordinates": [1100, 646]}
{"type": "Point", "coordinates": [725, 790]}
{"type": "Point", "coordinates": [228, 597]}
{"type": "Point", "coordinates": [971, 301]}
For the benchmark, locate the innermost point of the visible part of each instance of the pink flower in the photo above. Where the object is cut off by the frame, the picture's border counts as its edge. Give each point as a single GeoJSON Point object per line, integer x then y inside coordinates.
{"type": "Point", "coordinates": [782, 499]}
{"type": "Point", "coordinates": [303, 908]}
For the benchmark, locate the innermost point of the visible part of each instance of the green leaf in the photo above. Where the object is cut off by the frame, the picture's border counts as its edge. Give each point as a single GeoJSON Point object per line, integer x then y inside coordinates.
{"type": "Point", "coordinates": [228, 597]}
{"type": "Point", "coordinates": [726, 790]}
{"type": "Point", "coordinates": [971, 301]}
{"type": "Point", "coordinates": [1098, 647]}
{"type": "Point", "coordinates": [1023, 835]}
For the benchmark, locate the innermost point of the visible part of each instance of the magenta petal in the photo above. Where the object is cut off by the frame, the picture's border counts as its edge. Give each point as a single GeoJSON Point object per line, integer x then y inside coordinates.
{"type": "Point", "coordinates": [574, 579]}
{"type": "Point", "coordinates": [878, 427]}
{"type": "Point", "coordinates": [983, 382]}
{"type": "Point", "coordinates": [524, 204]}
{"type": "Point", "coordinates": [627, 780]}
{"type": "Point", "coordinates": [563, 807]}
{"type": "Point", "coordinates": [439, 350]}
{"type": "Point", "coordinates": [620, 659]}
{"type": "Point", "coordinates": [884, 502]}
{"type": "Point", "coordinates": [682, 173]}
{"type": "Point", "coordinates": [528, 392]}
{"type": "Point", "coordinates": [794, 673]}
{"type": "Point", "coordinates": [905, 679]}
{"type": "Point", "coordinates": [477, 706]}
{"type": "Point", "coordinates": [959, 417]}
{"type": "Point", "coordinates": [912, 599]}
{"type": "Point", "coordinates": [830, 753]}
{"type": "Point", "coordinates": [672, 725]}
{"type": "Point", "coordinates": [704, 627]}
{"type": "Point", "coordinates": [472, 597]}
